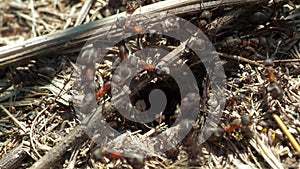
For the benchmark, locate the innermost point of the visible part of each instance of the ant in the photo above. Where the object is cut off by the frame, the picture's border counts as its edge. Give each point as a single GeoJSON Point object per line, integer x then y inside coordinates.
{"type": "Point", "coordinates": [249, 45]}
{"type": "Point", "coordinates": [136, 160]}
{"type": "Point", "coordinates": [204, 19]}
{"type": "Point", "coordinates": [123, 22]}
{"type": "Point", "coordinates": [216, 132]}
{"type": "Point", "coordinates": [103, 90]}
{"type": "Point", "coordinates": [99, 153]}
{"type": "Point", "coordinates": [244, 121]}
{"type": "Point", "coordinates": [111, 155]}
{"type": "Point", "coordinates": [132, 6]}
{"type": "Point", "coordinates": [115, 79]}
{"type": "Point", "coordinates": [270, 70]}
{"type": "Point", "coordinates": [234, 41]}
{"type": "Point", "coordinates": [124, 71]}
{"type": "Point", "coordinates": [274, 89]}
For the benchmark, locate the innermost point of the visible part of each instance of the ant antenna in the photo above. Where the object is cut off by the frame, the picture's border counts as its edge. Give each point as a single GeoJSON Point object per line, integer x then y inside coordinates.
{"type": "Point", "coordinates": [276, 50]}
{"type": "Point", "coordinates": [108, 31]}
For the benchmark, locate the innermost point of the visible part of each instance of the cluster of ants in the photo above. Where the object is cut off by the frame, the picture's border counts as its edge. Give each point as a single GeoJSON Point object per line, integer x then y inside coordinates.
{"type": "Point", "coordinates": [245, 121]}
{"type": "Point", "coordinates": [125, 71]}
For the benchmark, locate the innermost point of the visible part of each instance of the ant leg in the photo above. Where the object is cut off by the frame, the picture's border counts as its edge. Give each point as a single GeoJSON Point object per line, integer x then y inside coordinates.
{"type": "Point", "coordinates": [276, 50]}
{"type": "Point", "coordinates": [128, 49]}
{"type": "Point", "coordinates": [120, 23]}
{"type": "Point", "coordinates": [139, 41]}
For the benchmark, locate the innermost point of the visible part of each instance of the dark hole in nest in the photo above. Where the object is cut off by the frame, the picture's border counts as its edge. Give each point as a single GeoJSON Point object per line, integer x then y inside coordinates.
{"type": "Point", "coordinates": [171, 90]}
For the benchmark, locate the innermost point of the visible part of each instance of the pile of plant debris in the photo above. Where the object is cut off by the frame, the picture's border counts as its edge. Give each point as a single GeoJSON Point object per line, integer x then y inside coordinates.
{"type": "Point", "coordinates": [63, 92]}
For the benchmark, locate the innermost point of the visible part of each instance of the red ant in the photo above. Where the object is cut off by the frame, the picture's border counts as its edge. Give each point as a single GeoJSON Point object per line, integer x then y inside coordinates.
{"type": "Point", "coordinates": [270, 70]}
{"type": "Point", "coordinates": [146, 66]}
{"type": "Point", "coordinates": [134, 159]}
{"type": "Point", "coordinates": [123, 22]}
{"type": "Point", "coordinates": [234, 41]}
{"type": "Point", "coordinates": [273, 88]}
{"type": "Point", "coordinates": [103, 90]}
{"type": "Point", "coordinates": [136, 28]}
{"type": "Point", "coordinates": [132, 6]}
{"type": "Point", "coordinates": [245, 121]}
{"type": "Point", "coordinates": [115, 78]}
{"type": "Point", "coordinates": [103, 152]}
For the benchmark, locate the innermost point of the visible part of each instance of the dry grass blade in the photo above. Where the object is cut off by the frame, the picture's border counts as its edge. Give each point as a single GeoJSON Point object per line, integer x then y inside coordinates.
{"type": "Point", "coordinates": [16, 121]}
{"type": "Point", "coordinates": [76, 136]}
{"type": "Point", "coordinates": [291, 138]}
{"type": "Point", "coordinates": [84, 11]}
{"type": "Point", "coordinates": [33, 18]}
{"type": "Point", "coordinates": [267, 154]}
{"type": "Point", "coordinates": [32, 140]}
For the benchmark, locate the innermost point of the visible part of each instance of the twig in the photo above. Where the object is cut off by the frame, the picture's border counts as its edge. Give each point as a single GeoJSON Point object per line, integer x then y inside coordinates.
{"type": "Point", "coordinates": [76, 136]}
{"type": "Point", "coordinates": [14, 158]}
{"type": "Point", "coordinates": [72, 160]}
{"type": "Point", "coordinates": [258, 145]}
{"type": "Point", "coordinates": [254, 158]}
{"type": "Point", "coordinates": [84, 11]}
{"type": "Point", "coordinates": [281, 61]}
{"type": "Point", "coordinates": [238, 152]}
{"type": "Point", "coordinates": [286, 132]}
{"type": "Point", "coordinates": [33, 18]}
{"type": "Point", "coordinates": [240, 59]}
{"type": "Point", "coordinates": [69, 20]}
{"type": "Point", "coordinates": [16, 121]}
{"type": "Point", "coordinates": [63, 88]}
{"type": "Point", "coordinates": [173, 55]}
{"type": "Point", "coordinates": [32, 129]}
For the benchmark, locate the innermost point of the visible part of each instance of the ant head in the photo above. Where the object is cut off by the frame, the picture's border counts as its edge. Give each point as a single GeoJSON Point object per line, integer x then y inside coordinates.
{"type": "Point", "coordinates": [246, 120]}
{"type": "Point", "coordinates": [88, 56]}
{"type": "Point", "coordinates": [121, 21]}
{"type": "Point", "coordinates": [206, 14]}
{"type": "Point", "coordinates": [132, 6]}
{"type": "Point", "coordinates": [116, 79]}
{"type": "Point", "coordinates": [171, 23]}
{"type": "Point", "coordinates": [269, 63]}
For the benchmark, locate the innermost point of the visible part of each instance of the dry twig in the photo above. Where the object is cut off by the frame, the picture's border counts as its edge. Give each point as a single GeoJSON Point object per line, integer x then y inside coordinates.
{"type": "Point", "coordinates": [14, 158]}
{"type": "Point", "coordinates": [286, 132]}
{"type": "Point", "coordinates": [16, 121]}
{"type": "Point", "coordinates": [84, 11]}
